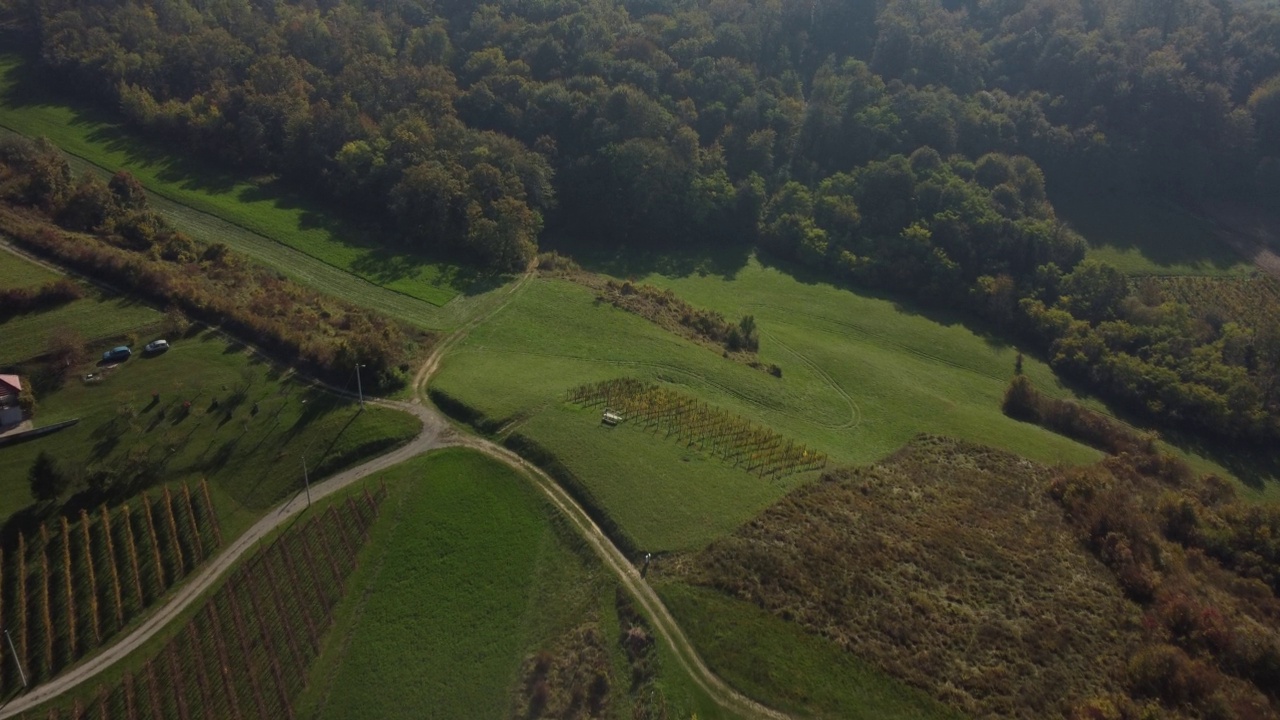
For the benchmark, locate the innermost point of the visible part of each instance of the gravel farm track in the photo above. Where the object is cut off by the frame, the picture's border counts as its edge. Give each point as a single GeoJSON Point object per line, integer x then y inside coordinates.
{"type": "Point", "coordinates": [437, 432]}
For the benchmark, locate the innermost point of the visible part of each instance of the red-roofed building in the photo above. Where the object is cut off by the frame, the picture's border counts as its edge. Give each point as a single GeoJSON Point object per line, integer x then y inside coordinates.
{"type": "Point", "coordinates": [10, 412]}
{"type": "Point", "coordinates": [10, 386]}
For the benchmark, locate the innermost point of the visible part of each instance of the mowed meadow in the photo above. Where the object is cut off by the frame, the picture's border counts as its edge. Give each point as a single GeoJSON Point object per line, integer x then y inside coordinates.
{"type": "Point", "coordinates": [860, 377]}
{"type": "Point", "coordinates": [98, 315]}
{"type": "Point", "coordinates": [475, 600]}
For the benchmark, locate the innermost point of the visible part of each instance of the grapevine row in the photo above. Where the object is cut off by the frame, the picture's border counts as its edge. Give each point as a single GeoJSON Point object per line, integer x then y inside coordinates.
{"type": "Point", "coordinates": [694, 422]}
{"type": "Point", "coordinates": [70, 587]}
{"type": "Point", "coordinates": [246, 653]}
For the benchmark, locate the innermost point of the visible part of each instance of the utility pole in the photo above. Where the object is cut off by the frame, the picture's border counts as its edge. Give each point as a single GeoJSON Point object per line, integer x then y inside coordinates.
{"type": "Point", "coordinates": [305, 481]}
{"type": "Point", "coordinates": [359, 387]}
{"type": "Point", "coordinates": [14, 650]}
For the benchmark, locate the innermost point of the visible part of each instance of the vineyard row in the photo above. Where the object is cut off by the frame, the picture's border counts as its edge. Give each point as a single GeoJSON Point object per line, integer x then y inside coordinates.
{"type": "Point", "coordinates": [694, 422]}
{"type": "Point", "coordinates": [68, 588]}
{"type": "Point", "coordinates": [246, 653]}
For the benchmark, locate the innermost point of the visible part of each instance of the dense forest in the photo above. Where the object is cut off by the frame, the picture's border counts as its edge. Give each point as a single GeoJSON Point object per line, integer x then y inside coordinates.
{"type": "Point", "coordinates": [905, 144]}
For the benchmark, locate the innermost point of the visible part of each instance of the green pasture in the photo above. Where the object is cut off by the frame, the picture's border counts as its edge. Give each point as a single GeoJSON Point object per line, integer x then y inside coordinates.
{"type": "Point", "coordinates": [216, 206]}
{"type": "Point", "coordinates": [921, 369]}
{"type": "Point", "coordinates": [467, 572]}
{"type": "Point", "coordinates": [780, 665]}
{"type": "Point", "coordinates": [1142, 238]}
{"type": "Point", "coordinates": [252, 460]}
{"type": "Point", "coordinates": [18, 272]}
{"type": "Point", "coordinates": [97, 316]}
{"type": "Point", "coordinates": [861, 376]}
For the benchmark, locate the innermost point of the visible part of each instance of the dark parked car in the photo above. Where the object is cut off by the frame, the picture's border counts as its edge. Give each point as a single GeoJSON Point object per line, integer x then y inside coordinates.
{"type": "Point", "coordinates": [117, 354]}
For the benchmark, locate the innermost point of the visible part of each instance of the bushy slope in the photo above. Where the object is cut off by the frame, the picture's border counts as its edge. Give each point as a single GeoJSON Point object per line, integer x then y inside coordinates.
{"type": "Point", "coordinates": [946, 565]}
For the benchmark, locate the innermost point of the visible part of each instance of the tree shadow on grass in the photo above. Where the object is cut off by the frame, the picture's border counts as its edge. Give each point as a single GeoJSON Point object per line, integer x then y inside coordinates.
{"type": "Point", "coordinates": [1253, 465]}
{"type": "Point", "coordinates": [1164, 234]}
{"type": "Point", "coordinates": [945, 316]}
{"type": "Point", "coordinates": [324, 454]}
{"type": "Point", "coordinates": [598, 251]}
{"type": "Point", "coordinates": [32, 87]}
{"type": "Point", "coordinates": [221, 456]}
{"type": "Point", "coordinates": [315, 405]}
{"type": "Point", "coordinates": [379, 262]}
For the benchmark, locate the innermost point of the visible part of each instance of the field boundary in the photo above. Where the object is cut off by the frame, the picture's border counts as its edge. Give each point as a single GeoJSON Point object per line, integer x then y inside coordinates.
{"type": "Point", "coordinates": [34, 433]}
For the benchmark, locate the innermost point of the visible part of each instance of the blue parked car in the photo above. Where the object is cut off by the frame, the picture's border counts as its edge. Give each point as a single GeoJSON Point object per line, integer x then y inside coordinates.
{"type": "Point", "coordinates": [117, 354]}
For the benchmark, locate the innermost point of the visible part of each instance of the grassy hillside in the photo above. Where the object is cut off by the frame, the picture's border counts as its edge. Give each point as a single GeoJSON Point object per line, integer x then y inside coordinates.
{"type": "Point", "coordinates": [467, 575]}
{"type": "Point", "coordinates": [17, 272]}
{"type": "Point", "coordinates": [256, 209]}
{"type": "Point", "coordinates": [97, 316]}
{"type": "Point", "coordinates": [861, 376]}
{"type": "Point", "coordinates": [251, 459]}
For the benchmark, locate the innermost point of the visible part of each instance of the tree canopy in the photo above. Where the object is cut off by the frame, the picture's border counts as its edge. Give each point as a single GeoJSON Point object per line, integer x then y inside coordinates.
{"type": "Point", "coordinates": [905, 144]}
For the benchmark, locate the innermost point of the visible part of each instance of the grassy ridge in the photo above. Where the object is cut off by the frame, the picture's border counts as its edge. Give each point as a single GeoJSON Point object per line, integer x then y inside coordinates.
{"type": "Point", "coordinates": [860, 378]}
{"type": "Point", "coordinates": [467, 575]}
{"type": "Point", "coordinates": [267, 210]}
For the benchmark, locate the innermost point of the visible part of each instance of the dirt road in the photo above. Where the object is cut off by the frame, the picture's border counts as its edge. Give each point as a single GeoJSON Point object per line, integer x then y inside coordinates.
{"type": "Point", "coordinates": [437, 432]}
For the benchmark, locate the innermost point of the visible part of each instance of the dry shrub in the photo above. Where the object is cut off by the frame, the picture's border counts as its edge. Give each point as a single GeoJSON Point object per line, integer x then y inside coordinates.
{"type": "Point", "coordinates": [570, 681]}
{"type": "Point", "coordinates": [664, 308]}
{"type": "Point", "coordinates": [946, 566]}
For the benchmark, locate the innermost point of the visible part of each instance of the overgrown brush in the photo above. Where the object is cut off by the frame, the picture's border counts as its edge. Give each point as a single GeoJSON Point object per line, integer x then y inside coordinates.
{"type": "Point", "coordinates": [1122, 590]}
{"type": "Point", "coordinates": [16, 301]}
{"type": "Point", "coordinates": [946, 566]}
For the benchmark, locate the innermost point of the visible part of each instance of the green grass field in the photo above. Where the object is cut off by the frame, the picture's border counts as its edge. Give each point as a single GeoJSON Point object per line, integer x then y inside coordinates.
{"type": "Point", "coordinates": [467, 573]}
{"type": "Point", "coordinates": [96, 316]}
{"type": "Point", "coordinates": [18, 272]}
{"type": "Point", "coordinates": [1145, 239]}
{"type": "Point", "coordinates": [261, 213]}
{"type": "Point", "coordinates": [251, 460]}
{"type": "Point", "coordinates": [777, 663]}
{"type": "Point", "coordinates": [861, 376]}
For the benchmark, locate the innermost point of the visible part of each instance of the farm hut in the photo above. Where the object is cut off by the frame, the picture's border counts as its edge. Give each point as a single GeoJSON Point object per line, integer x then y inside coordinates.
{"type": "Point", "coordinates": [10, 410]}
